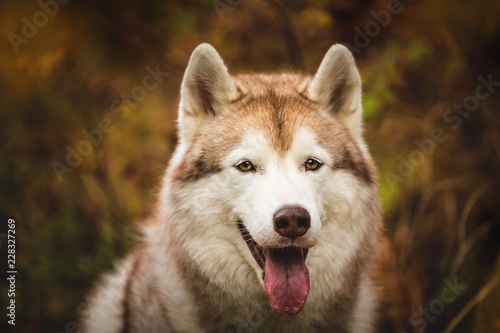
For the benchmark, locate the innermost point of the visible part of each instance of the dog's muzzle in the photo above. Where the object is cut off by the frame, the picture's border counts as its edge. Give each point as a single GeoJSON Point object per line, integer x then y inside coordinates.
{"type": "Point", "coordinates": [285, 274]}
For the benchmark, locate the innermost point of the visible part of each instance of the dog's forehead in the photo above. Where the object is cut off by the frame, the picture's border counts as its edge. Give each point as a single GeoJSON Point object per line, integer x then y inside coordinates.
{"type": "Point", "coordinates": [275, 106]}
{"type": "Point", "coordinates": [265, 107]}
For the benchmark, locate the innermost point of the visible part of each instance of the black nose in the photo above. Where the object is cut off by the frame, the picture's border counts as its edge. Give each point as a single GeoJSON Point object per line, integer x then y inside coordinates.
{"type": "Point", "coordinates": [292, 221]}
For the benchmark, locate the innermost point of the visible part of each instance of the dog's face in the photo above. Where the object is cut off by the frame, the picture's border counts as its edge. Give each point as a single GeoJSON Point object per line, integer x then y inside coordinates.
{"type": "Point", "coordinates": [272, 183]}
{"type": "Point", "coordinates": [264, 160]}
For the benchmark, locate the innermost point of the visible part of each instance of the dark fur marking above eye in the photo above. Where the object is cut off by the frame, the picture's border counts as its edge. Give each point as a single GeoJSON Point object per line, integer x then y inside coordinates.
{"type": "Point", "coordinates": [200, 168]}
{"type": "Point", "coordinates": [359, 168]}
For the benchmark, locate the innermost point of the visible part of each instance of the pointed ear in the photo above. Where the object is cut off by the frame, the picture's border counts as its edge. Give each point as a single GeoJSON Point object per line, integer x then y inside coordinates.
{"type": "Point", "coordinates": [337, 87]}
{"type": "Point", "coordinates": [206, 90]}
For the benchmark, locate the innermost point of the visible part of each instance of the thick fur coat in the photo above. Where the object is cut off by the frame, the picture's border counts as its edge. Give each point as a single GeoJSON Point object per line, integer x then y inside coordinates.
{"type": "Point", "coordinates": [268, 218]}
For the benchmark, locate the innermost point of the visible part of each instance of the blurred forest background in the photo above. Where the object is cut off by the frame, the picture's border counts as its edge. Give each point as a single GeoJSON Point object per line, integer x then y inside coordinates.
{"type": "Point", "coordinates": [73, 68]}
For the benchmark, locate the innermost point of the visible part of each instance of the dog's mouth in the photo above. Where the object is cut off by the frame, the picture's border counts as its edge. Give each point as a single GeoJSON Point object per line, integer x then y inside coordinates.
{"type": "Point", "coordinates": [285, 275]}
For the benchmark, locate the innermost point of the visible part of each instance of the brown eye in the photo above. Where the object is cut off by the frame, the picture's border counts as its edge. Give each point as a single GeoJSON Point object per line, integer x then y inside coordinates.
{"type": "Point", "coordinates": [312, 164]}
{"type": "Point", "coordinates": [245, 166]}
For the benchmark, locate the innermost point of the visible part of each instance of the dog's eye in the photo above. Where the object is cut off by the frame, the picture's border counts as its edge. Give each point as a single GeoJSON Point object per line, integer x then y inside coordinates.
{"type": "Point", "coordinates": [245, 166]}
{"type": "Point", "coordinates": [312, 164]}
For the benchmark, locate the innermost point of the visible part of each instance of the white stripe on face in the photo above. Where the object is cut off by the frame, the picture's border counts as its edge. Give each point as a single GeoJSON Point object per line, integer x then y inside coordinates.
{"type": "Point", "coordinates": [275, 183]}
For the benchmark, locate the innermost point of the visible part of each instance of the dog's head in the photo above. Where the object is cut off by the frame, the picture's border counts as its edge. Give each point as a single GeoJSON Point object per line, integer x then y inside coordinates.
{"type": "Point", "coordinates": [270, 166]}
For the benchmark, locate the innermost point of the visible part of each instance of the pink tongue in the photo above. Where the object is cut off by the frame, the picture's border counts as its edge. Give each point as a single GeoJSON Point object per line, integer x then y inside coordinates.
{"type": "Point", "coordinates": [286, 280]}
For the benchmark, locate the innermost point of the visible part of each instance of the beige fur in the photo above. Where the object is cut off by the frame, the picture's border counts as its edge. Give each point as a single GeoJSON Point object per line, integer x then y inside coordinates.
{"type": "Point", "coordinates": [192, 271]}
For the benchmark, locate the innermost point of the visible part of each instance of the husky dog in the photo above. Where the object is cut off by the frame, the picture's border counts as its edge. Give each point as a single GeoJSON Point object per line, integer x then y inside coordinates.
{"type": "Point", "coordinates": [268, 218]}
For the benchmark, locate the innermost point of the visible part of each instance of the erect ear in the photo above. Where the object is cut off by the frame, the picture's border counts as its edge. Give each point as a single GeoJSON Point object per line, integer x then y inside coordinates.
{"type": "Point", "coordinates": [337, 87]}
{"type": "Point", "coordinates": [206, 90]}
